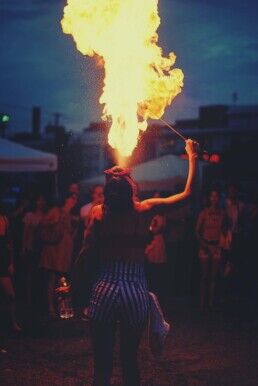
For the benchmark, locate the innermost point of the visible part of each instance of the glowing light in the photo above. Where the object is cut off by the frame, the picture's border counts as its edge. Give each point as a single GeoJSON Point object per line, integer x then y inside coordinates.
{"type": "Point", "coordinates": [215, 158]}
{"type": "Point", "coordinates": [5, 118]}
{"type": "Point", "coordinates": [206, 156]}
{"type": "Point", "coordinates": [139, 81]}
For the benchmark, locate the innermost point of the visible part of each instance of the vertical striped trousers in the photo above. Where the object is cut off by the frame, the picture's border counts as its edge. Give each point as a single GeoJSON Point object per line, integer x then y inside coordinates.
{"type": "Point", "coordinates": [120, 293]}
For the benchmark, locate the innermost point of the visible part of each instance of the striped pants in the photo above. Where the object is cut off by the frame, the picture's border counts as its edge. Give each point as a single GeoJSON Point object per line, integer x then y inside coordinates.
{"type": "Point", "coordinates": [120, 293]}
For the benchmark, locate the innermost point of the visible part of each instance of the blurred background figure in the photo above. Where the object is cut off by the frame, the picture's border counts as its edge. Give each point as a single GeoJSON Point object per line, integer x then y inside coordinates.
{"type": "Point", "coordinates": [7, 268]}
{"type": "Point", "coordinates": [237, 217]}
{"type": "Point", "coordinates": [51, 235]}
{"type": "Point", "coordinates": [31, 247]}
{"type": "Point", "coordinates": [211, 225]}
{"type": "Point", "coordinates": [74, 189]}
{"type": "Point", "coordinates": [251, 252]}
{"type": "Point", "coordinates": [17, 216]}
{"type": "Point", "coordinates": [80, 288]}
{"type": "Point", "coordinates": [70, 227]}
{"type": "Point", "coordinates": [179, 237]}
{"type": "Point", "coordinates": [155, 251]}
{"type": "Point", "coordinates": [97, 198]}
{"type": "Point", "coordinates": [58, 232]}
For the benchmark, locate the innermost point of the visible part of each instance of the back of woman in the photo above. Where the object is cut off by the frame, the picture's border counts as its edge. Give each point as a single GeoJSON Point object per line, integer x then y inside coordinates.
{"type": "Point", "coordinates": [123, 236]}
{"type": "Point", "coordinates": [120, 292]}
{"type": "Point", "coordinates": [118, 232]}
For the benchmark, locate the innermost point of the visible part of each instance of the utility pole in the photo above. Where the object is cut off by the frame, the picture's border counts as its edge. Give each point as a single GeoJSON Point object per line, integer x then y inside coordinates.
{"type": "Point", "coordinates": [235, 98]}
{"type": "Point", "coordinates": [57, 119]}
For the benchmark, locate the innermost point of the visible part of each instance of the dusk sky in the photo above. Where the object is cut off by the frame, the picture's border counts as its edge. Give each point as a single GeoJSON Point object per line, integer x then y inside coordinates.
{"type": "Point", "coordinates": [216, 43]}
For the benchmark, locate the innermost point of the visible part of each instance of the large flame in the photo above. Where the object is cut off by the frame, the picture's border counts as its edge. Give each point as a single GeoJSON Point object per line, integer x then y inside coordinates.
{"type": "Point", "coordinates": [139, 81]}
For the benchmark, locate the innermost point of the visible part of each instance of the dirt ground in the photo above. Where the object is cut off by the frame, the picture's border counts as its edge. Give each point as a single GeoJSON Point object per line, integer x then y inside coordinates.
{"type": "Point", "coordinates": [214, 348]}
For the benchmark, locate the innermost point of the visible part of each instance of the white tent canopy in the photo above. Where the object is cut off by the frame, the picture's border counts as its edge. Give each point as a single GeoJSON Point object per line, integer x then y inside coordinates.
{"type": "Point", "coordinates": [161, 174]}
{"type": "Point", "coordinates": [15, 158]}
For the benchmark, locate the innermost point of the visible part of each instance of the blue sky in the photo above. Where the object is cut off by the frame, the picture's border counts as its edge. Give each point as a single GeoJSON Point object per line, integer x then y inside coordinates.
{"type": "Point", "coordinates": [216, 43]}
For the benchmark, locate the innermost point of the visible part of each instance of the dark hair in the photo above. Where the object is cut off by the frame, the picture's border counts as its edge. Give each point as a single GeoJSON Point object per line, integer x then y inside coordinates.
{"type": "Point", "coordinates": [119, 191]}
{"type": "Point", "coordinates": [213, 190]}
{"type": "Point", "coordinates": [33, 203]}
{"type": "Point", "coordinates": [94, 187]}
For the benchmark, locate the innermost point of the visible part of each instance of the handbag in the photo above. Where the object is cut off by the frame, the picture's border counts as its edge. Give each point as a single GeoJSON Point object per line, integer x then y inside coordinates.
{"type": "Point", "coordinates": [158, 327]}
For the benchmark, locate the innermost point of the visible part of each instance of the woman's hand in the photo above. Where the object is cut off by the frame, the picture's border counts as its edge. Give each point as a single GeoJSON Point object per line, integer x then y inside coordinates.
{"type": "Point", "coordinates": [191, 148]}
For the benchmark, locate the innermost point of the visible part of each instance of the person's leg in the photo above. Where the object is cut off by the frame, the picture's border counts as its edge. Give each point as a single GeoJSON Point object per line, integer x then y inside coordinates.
{"type": "Point", "coordinates": [204, 276]}
{"type": "Point", "coordinates": [28, 279]}
{"type": "Point", "coordinates": [51, 292]}
{"type": "Point", "coordinates": [159, 282]}
{"type": "Point", "coordinates": [7, 286]}
{"type": "Point", "coordinates": [151, 277]}
{"type": "Point", "coordinates": [163, 281]}
{"type": "Point", "coordinates": [103, 337]}
{"type": "Point", "coordinates": [215, 264]}
{"type": "Point", "coordinates": [129, 344]}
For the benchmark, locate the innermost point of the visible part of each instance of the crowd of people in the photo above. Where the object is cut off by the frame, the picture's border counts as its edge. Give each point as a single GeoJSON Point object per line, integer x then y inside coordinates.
{"type": "Point", "coordinates": [41, 239]}
{"type": "Point", "coordinates": [107, 248]}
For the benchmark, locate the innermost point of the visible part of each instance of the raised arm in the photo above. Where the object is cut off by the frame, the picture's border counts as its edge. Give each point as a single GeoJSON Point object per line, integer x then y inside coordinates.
{"type": "Point", "coordinates": [150, 203]}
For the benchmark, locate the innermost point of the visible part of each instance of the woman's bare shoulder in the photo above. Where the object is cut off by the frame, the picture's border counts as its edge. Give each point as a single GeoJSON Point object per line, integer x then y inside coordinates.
{"type": "Point", "coordinates": [141, 206]}
{"type": "Point", "coordinates": [96, 212]}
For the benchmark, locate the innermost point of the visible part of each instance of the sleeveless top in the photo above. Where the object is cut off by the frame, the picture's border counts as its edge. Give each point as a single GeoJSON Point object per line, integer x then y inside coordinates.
{"type": "Point", "coordinates": [212, 224]}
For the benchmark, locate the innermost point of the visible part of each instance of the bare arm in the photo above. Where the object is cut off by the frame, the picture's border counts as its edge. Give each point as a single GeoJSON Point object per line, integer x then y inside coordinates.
{"type": "Point", "coordinates": [150, 203]}
{"type": "Point", "coordinates": [199, 225]}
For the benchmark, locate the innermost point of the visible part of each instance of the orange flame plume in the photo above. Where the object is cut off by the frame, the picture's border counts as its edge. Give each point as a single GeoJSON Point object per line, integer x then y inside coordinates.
{"type": "Point", "coordinates": [139, 81]}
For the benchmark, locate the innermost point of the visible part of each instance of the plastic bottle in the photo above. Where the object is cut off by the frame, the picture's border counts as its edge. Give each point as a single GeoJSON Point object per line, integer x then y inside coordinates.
{"type": "Point", "coordinates": [65, 307]}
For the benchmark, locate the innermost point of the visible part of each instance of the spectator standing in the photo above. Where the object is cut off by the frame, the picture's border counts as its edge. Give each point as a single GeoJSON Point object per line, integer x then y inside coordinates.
{"type": "Point", "coordinates": [58, 232]}
{"type": "Point", "coordinates": [211, 225]}
{"type": "Point", "coordinates": [179, 245]}
{"type": "Point", "coordinates": [73, 189]}
{"type": "Point", "coordinates": [31, 246]}
{"type": "Point", "coordinates": [51, 235]}
{"type": "Point", "coordinates": [70, 226]}
{"type": "Point", "coordinates": [7, 269]}
{"type": "Point", "coordinates": [16, 228]}
{"type": "Point", "coordinates": [236, 214]}
{"type": "Point", "coordinates": [251, 251]}
{"type": "Point", "coordinates": [157, 258]}
{"type": "Point", "coordinates": [97, 198]}
{"type": "Point", "coordinates": [80, 288]}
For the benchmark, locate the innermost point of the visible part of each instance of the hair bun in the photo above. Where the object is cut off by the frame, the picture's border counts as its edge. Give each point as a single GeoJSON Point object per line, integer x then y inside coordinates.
{"type": "Point", "coordinates": [117, 171]}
